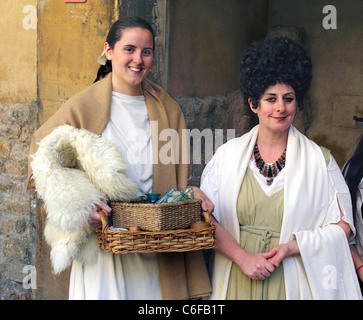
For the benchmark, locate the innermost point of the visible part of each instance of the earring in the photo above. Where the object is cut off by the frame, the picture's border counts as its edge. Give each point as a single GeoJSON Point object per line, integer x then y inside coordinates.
{"type": "Point", "coordinates": [102, 59]}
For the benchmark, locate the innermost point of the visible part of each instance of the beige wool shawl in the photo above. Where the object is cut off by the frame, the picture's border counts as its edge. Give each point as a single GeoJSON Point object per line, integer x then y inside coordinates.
{"type": "Point", "coordinates": [182, 276]}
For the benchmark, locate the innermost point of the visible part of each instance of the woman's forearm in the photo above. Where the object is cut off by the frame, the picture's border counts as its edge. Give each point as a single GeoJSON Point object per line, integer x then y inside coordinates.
{"type": "Point", "coordinates": [357, 262]}
{"type": "Point", "coordinates": [226, 244]}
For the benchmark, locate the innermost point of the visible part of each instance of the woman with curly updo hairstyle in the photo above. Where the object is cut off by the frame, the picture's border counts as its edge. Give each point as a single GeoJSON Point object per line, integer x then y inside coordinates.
{"type": "Point", "coordinates": [282, 214]}
{"type": "Point", "coordinates": [275, 60]}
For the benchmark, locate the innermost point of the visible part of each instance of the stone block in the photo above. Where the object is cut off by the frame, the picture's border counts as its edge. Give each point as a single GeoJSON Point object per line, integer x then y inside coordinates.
{"type": "Point", "coordinates": [4, 148]}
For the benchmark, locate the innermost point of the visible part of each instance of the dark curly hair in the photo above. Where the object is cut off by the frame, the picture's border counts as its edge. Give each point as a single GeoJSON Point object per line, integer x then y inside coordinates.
{"type": "Point", "coordinates": [271, 61]}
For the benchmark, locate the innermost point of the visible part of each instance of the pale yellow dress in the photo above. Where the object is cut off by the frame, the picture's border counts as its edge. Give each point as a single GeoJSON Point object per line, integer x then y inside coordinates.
{"type": "Point", "coordinates": [260, 219]}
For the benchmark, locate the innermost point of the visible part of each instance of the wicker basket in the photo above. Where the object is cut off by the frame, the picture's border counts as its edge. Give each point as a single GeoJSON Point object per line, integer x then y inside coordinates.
{"type": "Point", "coordinates": [156, 217]}
{"type": "Point", "coordinates": [120, 242]}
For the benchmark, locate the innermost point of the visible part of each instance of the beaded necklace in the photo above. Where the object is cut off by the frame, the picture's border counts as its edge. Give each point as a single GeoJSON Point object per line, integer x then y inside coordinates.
{"type": "Point", "coordinates": [269, 171]}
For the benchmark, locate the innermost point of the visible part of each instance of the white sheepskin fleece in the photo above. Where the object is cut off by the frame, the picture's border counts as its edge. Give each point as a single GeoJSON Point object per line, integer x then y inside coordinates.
{"type": "Point", "coordinates": [74, 170]}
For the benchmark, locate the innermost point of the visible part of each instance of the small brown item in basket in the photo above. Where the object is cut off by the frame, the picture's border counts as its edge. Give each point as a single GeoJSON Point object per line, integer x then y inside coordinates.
{"type": "Point", "coordinates": [134, 229]}
{"type": "Point", "coordinates": [199, 225]}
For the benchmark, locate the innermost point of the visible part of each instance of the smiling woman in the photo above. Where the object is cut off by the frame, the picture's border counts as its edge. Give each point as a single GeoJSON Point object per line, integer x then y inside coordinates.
{"type": "Point", "coordinates": [276, 111]}
{"type": "Point", "coordinates": [116, 34]}
{"type": "Point", "coordinates": [123, 100]}
{"type": "Point", "coordinates": [131, 59]}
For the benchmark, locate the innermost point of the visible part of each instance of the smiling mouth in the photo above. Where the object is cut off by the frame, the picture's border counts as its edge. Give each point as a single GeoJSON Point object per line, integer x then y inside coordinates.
{"type": "Point", "coordinates": [279, 118]}
{"type": "Point", "coordinates": [135, 69]}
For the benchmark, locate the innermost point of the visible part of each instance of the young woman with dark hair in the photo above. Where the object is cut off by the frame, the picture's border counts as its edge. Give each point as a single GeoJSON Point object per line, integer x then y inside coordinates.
{"type": "Point", "coordinates": [120, 102]}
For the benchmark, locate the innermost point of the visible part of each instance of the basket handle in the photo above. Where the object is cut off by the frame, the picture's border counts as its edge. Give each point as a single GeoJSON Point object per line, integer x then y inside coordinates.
{"type": "Point", "coordinates": [104, 219]}
{"type": "Point", "coordinates": [207, 217]}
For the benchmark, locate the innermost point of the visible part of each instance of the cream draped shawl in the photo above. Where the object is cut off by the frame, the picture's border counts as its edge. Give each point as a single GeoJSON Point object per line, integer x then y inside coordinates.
{"type": "Point", "coordinates": [324, 269]}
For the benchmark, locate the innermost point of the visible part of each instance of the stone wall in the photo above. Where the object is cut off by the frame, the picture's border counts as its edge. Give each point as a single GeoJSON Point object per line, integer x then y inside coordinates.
{"type": "Point", "coordinates": [224, 112]}
{"type": "Point", "coordinates": [17, 204]}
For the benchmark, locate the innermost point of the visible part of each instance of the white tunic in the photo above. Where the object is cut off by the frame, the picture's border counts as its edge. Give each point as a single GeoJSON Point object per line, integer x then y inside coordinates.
{"type": "Point", "coordinates": [127, 276]}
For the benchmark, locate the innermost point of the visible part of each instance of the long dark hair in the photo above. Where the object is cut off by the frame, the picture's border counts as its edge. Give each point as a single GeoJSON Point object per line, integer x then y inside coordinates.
{"type": "Point", "coordinates": [115, 35]}
{"type": "Point", "coordinates": [353, 173]}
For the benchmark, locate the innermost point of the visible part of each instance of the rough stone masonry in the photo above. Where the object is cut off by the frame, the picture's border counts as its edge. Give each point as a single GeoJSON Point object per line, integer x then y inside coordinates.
{"type": "Point", "coordinates": [17, 204]}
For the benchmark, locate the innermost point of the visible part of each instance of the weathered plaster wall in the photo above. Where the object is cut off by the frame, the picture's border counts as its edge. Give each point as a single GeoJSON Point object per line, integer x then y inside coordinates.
{"type": "Point", "coordinates": [70, 39]}
{"type": "Point", "coordinates": [336, 92]}
{"type": "Point", "coordinates": [18, 51]}
{"type": "Point", "coordinates": [206, 41]}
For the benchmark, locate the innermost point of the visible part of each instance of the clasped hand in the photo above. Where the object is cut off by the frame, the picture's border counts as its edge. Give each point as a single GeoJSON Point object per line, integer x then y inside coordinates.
{"type": "Point", "coordinates": [259, 266]}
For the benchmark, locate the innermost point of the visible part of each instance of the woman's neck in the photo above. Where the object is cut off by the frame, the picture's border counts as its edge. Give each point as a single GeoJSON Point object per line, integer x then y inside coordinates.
{"type": "Point", "coordinates": [128, 90]}
{"type": "Point", "coordinates": [271, 146]}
